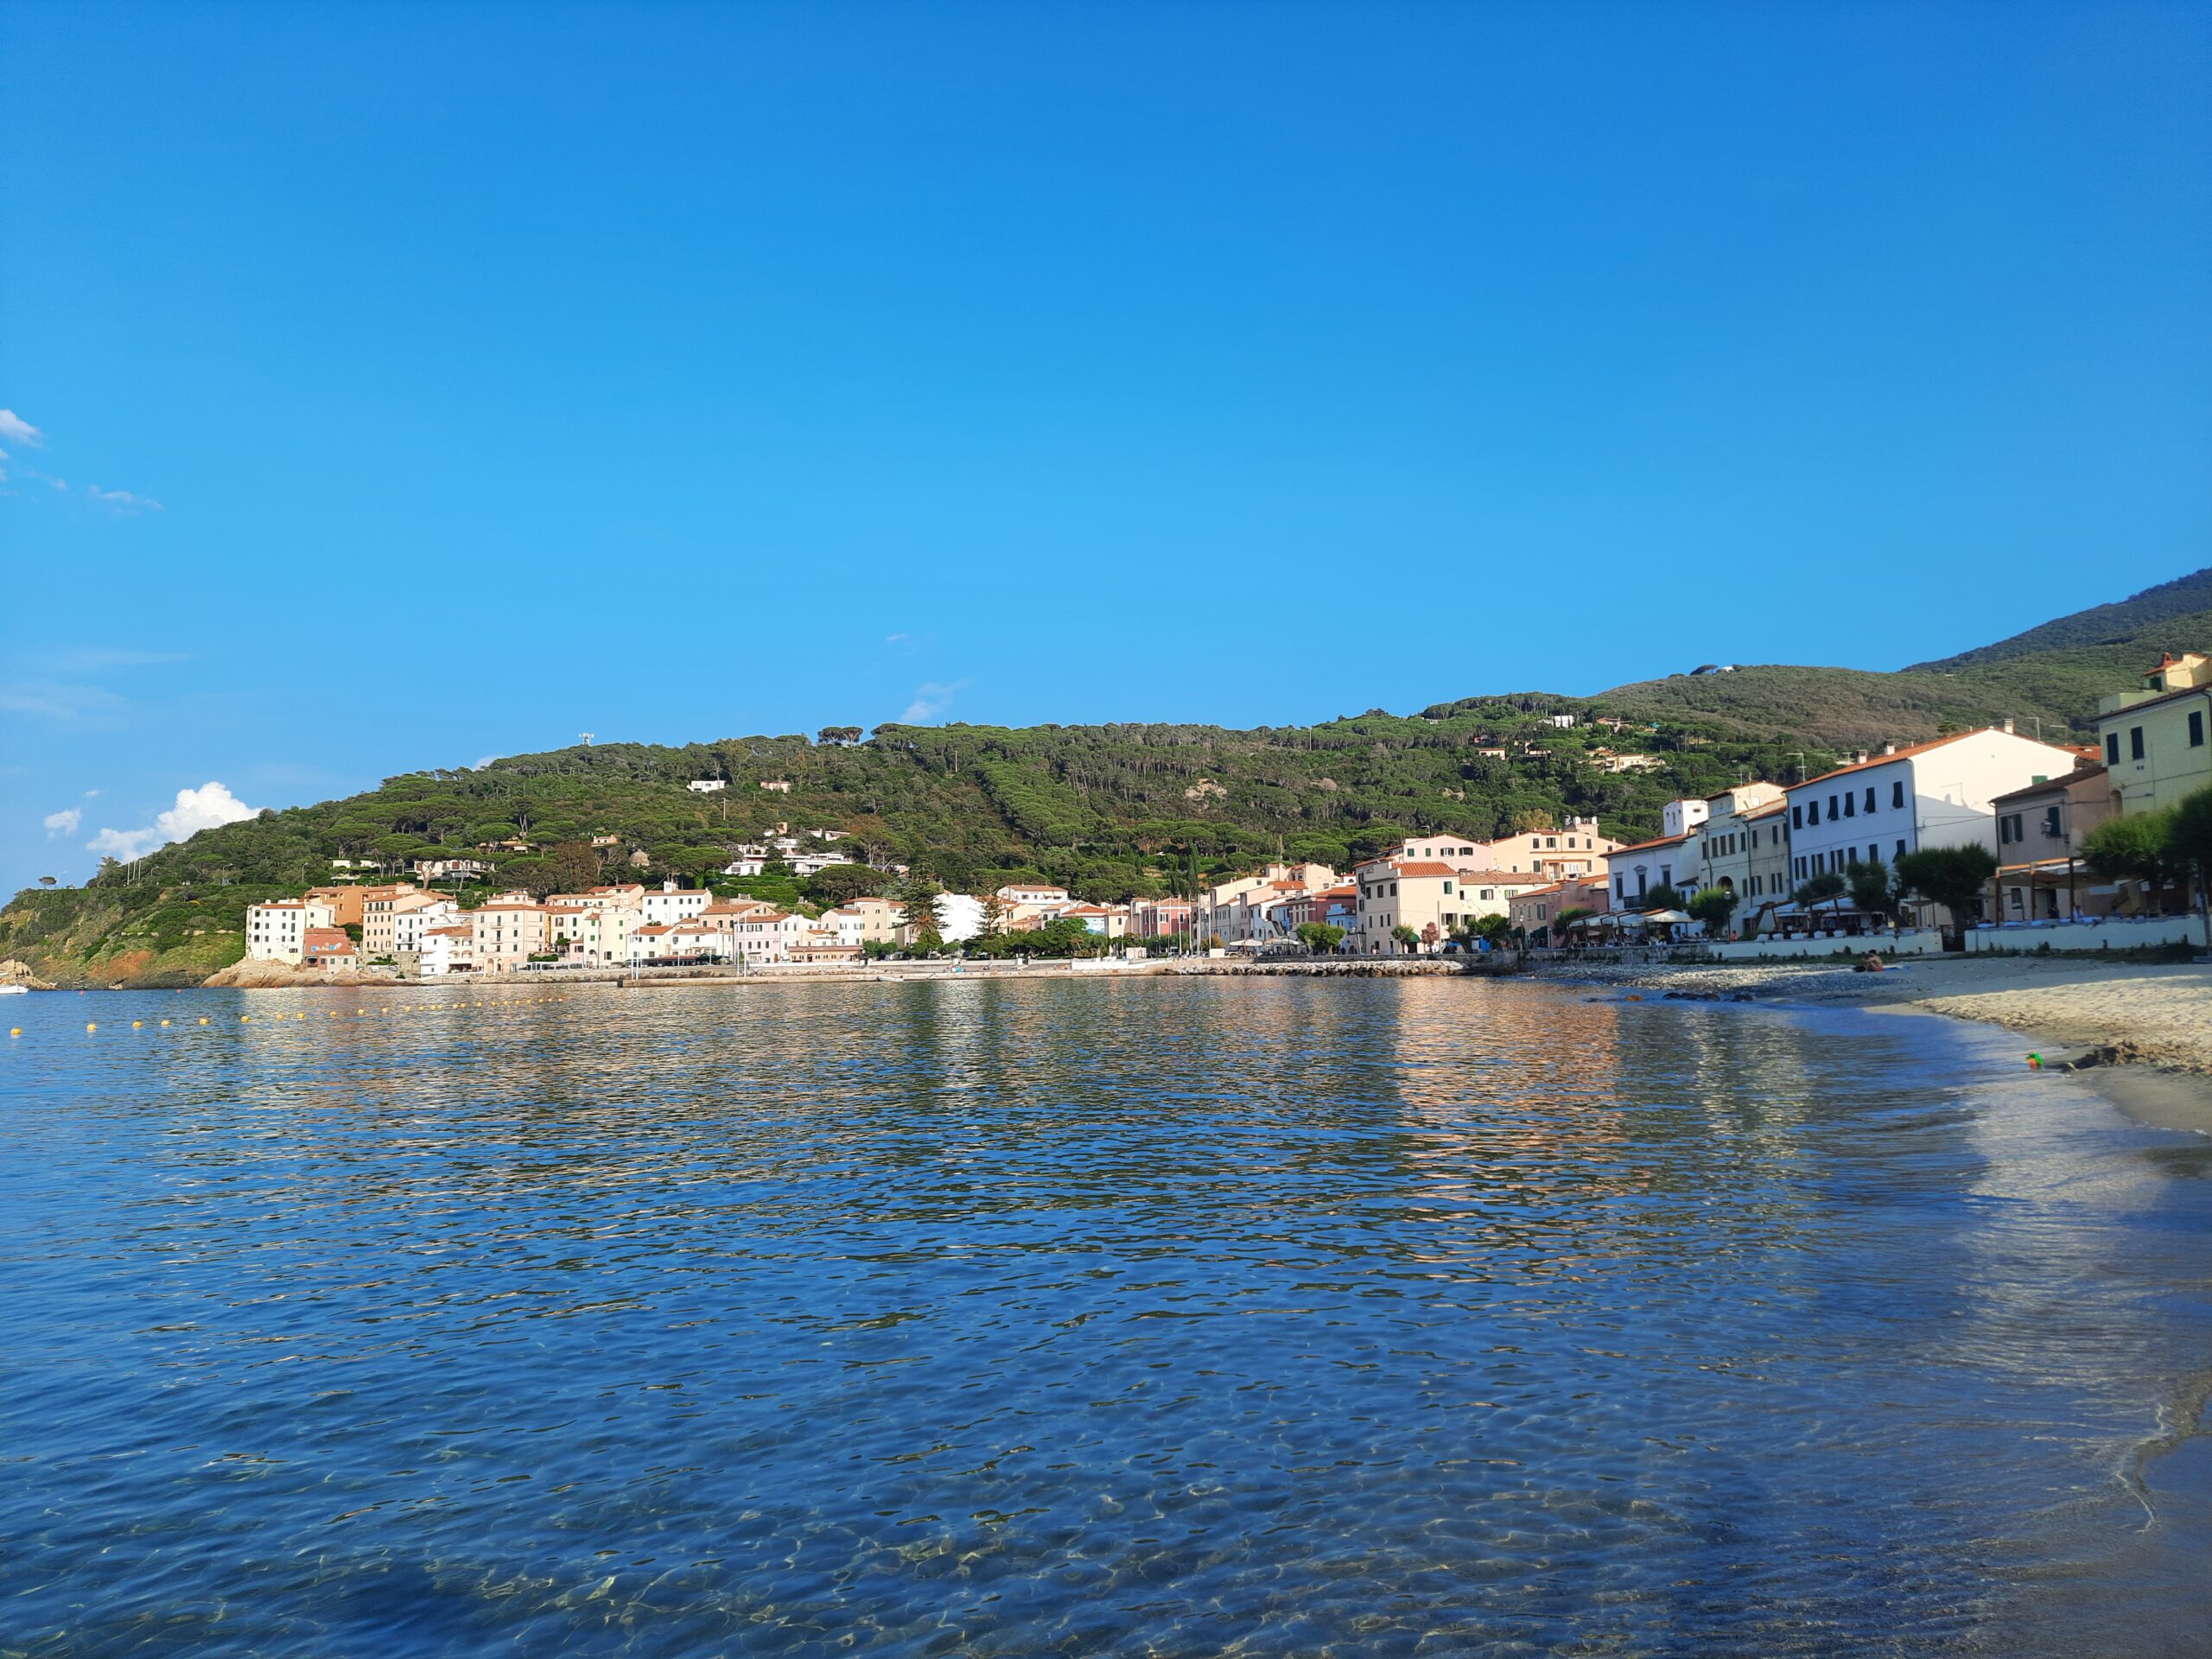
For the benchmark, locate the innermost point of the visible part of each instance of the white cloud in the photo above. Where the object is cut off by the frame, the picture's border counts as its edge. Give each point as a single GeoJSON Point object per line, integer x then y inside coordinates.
{"type": "Point", "coordinates": [482, 761]}
{"type": "Point", "coordinates": [894, 638]}
{"type": "Point", "coordinates": [123, 501]}
{"type": "Point", "coordinates": [64, 822]}
{"type": "Point", "coordinates": [931, 699]}
{"type": "Point", "coordinates": [195, 809]}
{"type": "Point", "coordinates": [14, 426]}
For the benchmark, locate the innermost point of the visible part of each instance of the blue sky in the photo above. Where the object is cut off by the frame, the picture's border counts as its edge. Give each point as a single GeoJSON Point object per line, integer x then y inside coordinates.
{"type": "Point", "coordinates": [398, 385]}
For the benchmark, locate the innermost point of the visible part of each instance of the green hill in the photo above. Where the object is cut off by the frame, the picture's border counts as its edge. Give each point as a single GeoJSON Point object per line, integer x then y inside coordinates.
{"type": "Point", "coordinates": [1108, 811]}
{"type": "Point", "coordinates": [2047, 678]}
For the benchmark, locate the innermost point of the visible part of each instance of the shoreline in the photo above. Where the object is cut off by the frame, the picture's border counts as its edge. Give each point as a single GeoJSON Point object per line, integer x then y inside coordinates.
{"type": "Point", "coordinates": [2140, 1033]}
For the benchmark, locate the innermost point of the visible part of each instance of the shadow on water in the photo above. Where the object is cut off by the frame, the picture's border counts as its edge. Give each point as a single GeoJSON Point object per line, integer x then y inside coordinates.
{"type": "Point", "coordinates": [1266, 1316]}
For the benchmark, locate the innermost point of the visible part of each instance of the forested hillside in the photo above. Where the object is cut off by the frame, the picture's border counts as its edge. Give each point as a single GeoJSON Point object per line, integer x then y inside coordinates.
{"type": "Point", "coordinates": [1109, 811]}
{"type": "Point", "coordinates": [2047, 678]}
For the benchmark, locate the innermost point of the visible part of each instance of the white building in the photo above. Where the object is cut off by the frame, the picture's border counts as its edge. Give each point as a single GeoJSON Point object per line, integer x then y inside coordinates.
{"type": "Point", "coordinates": [598, 936]}
{"type": "Point", "coordinates": [410, 923]}
{"type": "Point", "coordinates": [1035, 893]}
{"type": "Point", "coordinates": [1679, 818]}
{"type": "Point", "coordinates": [708, 786]}
{"type": "Point", "coordinates": [445, 949]}
{"type": "Point", "coordinates": [1900, 801]}
{"type": "Point", "coordinates": [1632, 872]}
{"type": "Point", "coordinates": [675, 904]}
{"type": "Point", "coordinates": [804, 864]}
{"type": "Point", "coordinates": [959, 917]}
{"type": "Point", "coordinates": [277, 931]}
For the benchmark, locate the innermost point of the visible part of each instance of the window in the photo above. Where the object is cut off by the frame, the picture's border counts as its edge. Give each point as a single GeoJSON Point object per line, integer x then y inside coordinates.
{"type": "Point", "coordinates": [2008, 828]}
{"type": "Point", "coordinates": [1900, 850]}
{"type": "Point", "coordinates": [1850, 806]}
{"type": "Point", "coordinates": [1869, 798]}
{"type": "Point", "coordinates": [2135, 742]}
{"type": "Point", "coordinates": [1812, 812]}
{"type": "Point", "coordinates": [1796, 816]}
{"type": "Point", "coordinates": [2112, 748]}
{"type": "Point", "coordinates": [1896, 793]}
{"type": "Point", "coordinates": [2197, 728]}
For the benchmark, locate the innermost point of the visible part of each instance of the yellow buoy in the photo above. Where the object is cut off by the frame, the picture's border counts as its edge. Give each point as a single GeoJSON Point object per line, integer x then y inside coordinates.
{"type": "Point", "coordinates": [135, 1024]}
{"type": "Point", "coordinates": [15, 1031]}
{"type": "Point", "coordinates": [299, 1016]}
{"type": "Point", "coordinates": [246, 1018]}
{"type": "Point", "coordinates": [203, 1020]}
{"type": "Point", "coordinates": [165, 1022]}
{"type": "Point", "coordinates": [91, 1024]}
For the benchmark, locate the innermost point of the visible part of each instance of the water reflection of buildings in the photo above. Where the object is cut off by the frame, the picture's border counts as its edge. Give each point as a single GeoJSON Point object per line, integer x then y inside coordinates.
{"type": "Point", "coordinates": [1535, 1121]}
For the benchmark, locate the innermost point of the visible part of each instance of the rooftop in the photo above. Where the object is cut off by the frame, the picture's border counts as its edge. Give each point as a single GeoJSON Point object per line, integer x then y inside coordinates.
{"type": "Point", "coordinates": [2063, 780]}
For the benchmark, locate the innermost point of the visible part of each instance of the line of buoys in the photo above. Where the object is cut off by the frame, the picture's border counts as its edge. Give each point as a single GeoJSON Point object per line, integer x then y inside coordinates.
{"type": "Point", "coordinates": [418, 1007]}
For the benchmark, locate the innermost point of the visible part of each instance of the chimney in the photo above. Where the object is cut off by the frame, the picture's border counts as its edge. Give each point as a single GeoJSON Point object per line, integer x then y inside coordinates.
{"type": "Point", "coordinates": [2008, 723]}
{"type": "Point", "coordinates": [1891, 747]}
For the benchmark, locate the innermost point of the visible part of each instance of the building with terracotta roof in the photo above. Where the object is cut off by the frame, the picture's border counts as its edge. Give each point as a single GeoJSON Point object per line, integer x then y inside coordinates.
{"type": "Point", "coordinates": [1432, 898]}
{"type": "Point", "coordinates": [1536, 910]}
{"type": "Point", "coordinates": [329, 948]}
{"type": "Point", "coordinates": [2040, 828]}
{"type": "Point", "coordinates": [380, 911]}
{"type": "Point", "coordinates": [277, 931]}
{"type": "Point", "coordinates": [1935, 794]}
{"type": "Point", "coordinates": [506, 933]}
{"type": "Point", "coordinates": [1108, 921]}
{"type": "Point", "coordinates": [408, 922]}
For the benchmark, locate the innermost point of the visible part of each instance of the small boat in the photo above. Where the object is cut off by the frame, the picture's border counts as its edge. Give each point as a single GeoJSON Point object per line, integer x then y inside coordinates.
{"type": "Point", "coordinates": [14, 990]}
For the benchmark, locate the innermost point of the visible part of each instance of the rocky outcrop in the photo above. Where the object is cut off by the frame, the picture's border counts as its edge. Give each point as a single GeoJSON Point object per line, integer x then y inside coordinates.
{"type": "Point", "coordinates": [16, 973]}
{"type": "Point", "coordinates": [285, 976]}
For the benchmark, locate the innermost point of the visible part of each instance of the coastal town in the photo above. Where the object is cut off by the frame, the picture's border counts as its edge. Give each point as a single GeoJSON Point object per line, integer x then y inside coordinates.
{"type": "Point", "coordinates": [1972, 837]}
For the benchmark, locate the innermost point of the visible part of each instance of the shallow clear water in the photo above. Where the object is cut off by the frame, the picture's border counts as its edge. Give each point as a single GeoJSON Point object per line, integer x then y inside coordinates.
{"type": "Point", "coordinates": [1174, 1317]}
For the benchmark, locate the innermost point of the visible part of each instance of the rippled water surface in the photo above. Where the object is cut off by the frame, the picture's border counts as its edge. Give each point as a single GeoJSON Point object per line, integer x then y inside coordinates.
{"type": "Point", "coordinates": [1172, 1317]}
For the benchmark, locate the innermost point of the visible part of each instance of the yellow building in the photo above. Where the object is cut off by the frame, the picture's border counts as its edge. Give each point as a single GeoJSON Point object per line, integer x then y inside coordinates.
{"type": "Point", "coordinates": [2155, 739]}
